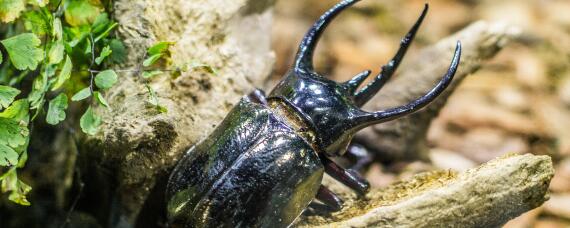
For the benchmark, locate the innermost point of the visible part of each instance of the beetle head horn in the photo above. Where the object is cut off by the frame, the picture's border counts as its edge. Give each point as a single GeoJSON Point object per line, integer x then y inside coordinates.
{"type": "Point", "coordinates": [304, 59]}
{"type": "Point", "coordinates": [333, 109]}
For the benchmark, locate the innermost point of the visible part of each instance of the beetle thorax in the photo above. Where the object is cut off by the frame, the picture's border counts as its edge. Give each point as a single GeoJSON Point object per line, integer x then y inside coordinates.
{"type": "Point", "coordinates": [325, 107]}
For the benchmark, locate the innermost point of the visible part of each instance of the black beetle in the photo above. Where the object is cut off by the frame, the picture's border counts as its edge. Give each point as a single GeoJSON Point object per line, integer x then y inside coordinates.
{"type": "Point", "coordinates": [263, 165]}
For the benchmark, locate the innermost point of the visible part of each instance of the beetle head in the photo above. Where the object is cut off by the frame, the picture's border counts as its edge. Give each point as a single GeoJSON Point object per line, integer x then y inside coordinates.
{"type": "Point", "coordinates": [333, 109]}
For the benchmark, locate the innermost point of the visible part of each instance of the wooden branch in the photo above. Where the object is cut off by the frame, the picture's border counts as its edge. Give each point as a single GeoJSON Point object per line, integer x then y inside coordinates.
{"type": "Point", "coordinates": [487, 196]}
{"type": "Point", "coordinates": [405, 138]}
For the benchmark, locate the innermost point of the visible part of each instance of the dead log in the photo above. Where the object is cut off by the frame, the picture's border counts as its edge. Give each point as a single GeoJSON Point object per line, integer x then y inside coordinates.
{"type": "Point", "coordinates": [487, 196]}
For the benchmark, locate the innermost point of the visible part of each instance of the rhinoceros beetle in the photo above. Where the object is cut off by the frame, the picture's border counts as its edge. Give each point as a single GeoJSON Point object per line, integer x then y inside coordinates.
{"type": "Point", "coordinates": [263, 165]}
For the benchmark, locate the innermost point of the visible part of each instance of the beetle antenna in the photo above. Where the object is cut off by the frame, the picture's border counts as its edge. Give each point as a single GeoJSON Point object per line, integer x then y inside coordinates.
{"type": "Point", "coordinates": [364, 95]}
{"type": "Point", "coordinates": [394, 113]}
{"type": "Point", "coordinates": [304, 60]}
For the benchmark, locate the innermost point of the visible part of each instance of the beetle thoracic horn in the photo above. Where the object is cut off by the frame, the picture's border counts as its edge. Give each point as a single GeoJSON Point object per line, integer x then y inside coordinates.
{"type": "Point", "coordinates": [365, 94]}
{"type": "Point", "coordinates": [353, 84]}
{"type": "Point", "coordinates": [304, 60]}
{"type": "Point", "coordinates": [394, 113]}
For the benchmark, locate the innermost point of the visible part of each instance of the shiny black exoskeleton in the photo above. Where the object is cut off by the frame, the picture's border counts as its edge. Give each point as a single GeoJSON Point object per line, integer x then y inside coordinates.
{"type": "Point", "coordinates": [263, 165]}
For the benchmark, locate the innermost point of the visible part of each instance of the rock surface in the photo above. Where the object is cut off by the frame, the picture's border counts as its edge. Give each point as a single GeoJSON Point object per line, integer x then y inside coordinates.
{"type": "Point", "coordinates": [136, 142]}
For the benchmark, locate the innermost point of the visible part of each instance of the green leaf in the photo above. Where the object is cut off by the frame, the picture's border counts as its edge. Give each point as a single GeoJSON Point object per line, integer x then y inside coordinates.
{"type": "Point", "coordinates": [11, 9]}
{"type": "Point", "coordinates": [82, 94]}
{"type": "Point", "coordinates": [7, 95]}
{"type": "Point", "coordinates": [203, 66]}
{"type": "Point", "coordinates": [38, 90]}
{"type": "Point", "coordinates": [159, 48]}
{"type": "Point", "coordinates": [40, 3]}
{"type": "Point", "coordinates": [24, 50]}
{"type": "Point", "coordinates": [18, 189]}
{"type": "Point", "coordinates": [14, 124]}
{"type": "Point", "coordinates": [57, 31]}
{"type": "Point", "coordinates": [1, 57]}
{"type": "Point", "coordinates": [19, 196]}
{"type": "Point", "coordinates": [161, 109]}
{"type": "Point", "coordinates": [102, 100]}
{"type": "Point", "coordinates": [150, 74]}
{"type": "Point", "coordinates": [119, 52]}
{"type": "Point", "coordinates": [100, 23]}
{"type": "Point", "coordinates": [23, 159]}
{"type": "Point", "coordinates": [76, 35]}
{"type": "Point", "coordinates": [56, 52]}
{"type": "Point", "coordinates": [36, 22]}
{"type": "Point", "coordinates": [63, 75]}
{"type": "Point", "coordinates": [56, 110]}
{"type": "Point", "coordinates": [102, 26]}
{"type": "Point", "coordinates": [8, 157]}
{"type": "Point", "coordinates": [151, 60]}
{"type": "Point", "coordinates": [105, 79]}
{"type": "Point", "coordinates": [88, 47]}
{"type": "Point", "coordinates": [18, 111]}
{"type": "Point", "coordinates": [104, 53]}
{"type": "Point", "coordinates": [153, 100]}
{"type": "Point", "coordinates": [81, 12]}
{"type": "Point", "coordinates": [12, 134]}
{"type": "Point", "coordinates": [106, 32]}
{"type": "Point", "coordinates": [90, 122]}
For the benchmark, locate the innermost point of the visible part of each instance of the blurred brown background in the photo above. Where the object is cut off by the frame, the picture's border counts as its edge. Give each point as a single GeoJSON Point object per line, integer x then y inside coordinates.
{"type": "Point", "coordinates": [518, 102]}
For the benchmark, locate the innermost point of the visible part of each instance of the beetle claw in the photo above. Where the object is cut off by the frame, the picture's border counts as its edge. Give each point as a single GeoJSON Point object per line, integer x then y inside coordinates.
{"type": "Point", "coordinates": [329, 198]}
{"type": "Point", "coordinates": [348, 177]}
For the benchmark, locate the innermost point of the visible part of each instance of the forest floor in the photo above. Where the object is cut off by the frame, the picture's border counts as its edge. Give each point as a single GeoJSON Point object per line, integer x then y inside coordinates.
{"type": "Point", "coordinates": [519, 102]}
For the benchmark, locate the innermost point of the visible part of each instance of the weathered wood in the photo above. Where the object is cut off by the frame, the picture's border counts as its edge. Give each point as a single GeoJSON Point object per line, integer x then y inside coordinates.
{"type": "Point", "coordinates": [487, 196]}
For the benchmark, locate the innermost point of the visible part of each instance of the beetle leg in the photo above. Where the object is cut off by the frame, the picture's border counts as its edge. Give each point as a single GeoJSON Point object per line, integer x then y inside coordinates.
{"type": "Point", "coordinates": [317, 208]}
{"type": "Point", "coordinates": [348, 177]}
{"type": "Point", "coordinates": [361, 157]}
{"type": "Point", "coordinates": [329, 198]}
{"type": "Point", "coordinates": [257, 96]}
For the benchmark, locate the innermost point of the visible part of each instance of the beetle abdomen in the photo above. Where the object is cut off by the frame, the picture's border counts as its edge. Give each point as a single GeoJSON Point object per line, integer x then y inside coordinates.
{"type": "Point", "coordinates": [253, 170]}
